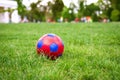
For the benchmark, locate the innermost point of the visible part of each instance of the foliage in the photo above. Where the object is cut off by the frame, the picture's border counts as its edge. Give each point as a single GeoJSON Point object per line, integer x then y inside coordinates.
{"type": "Point", "coordinates": [95, 17]}
{"type": "Point", "coordinates": [71, 11]}
{"type": "Point", "coordinates": [115, 4]}
{"type": "Point", "coordinates": [57, 8]}
{"type": "Point", "coordinates": [90, 9]}
{"type": "Point", "coordinates": [103, 16]}
{"type": "Point", "coordinates": [81, 10]}
{"type": "Point", "coordinates": [21, 8]}
{"type": "Point", "coordinates": [35, 13]}
{"type": "Point", "coordinates": [115, 15]}
{"type": "Point", "coordinates": [66, 14]}
{"type": "Point", "coordinates": [108, 12]}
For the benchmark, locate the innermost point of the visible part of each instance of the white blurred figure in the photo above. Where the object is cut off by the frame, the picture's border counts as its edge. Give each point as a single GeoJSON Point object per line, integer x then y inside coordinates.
{"type": "Point", "coordinates": [61, 19]}
{"type": "Point", "coordinates": [24, 20]}
{"type": "Point", "coordinates": [15, 18]}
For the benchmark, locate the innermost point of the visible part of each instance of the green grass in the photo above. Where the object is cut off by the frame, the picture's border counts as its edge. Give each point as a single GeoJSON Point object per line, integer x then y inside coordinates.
{"type": "Point", "coordinates": [92, 52]}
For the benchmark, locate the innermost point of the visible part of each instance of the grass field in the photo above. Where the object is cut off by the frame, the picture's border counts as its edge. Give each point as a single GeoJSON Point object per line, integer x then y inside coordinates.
{"type": "Point", "coordinates": [92, 52]}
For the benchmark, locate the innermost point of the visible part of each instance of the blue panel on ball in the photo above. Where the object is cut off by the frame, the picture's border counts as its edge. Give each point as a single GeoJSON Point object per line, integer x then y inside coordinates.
{"type": "Point", "coordinates": [53, 47]}
{"type": "Point", "coordinates": [51, 35]}
{"type": "Point", "coordinates": [40, 43]}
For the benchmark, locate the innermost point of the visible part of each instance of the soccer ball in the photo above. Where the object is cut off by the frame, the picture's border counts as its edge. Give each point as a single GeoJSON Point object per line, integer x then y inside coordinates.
{"type": "Point", "coordinates": [50, 45]}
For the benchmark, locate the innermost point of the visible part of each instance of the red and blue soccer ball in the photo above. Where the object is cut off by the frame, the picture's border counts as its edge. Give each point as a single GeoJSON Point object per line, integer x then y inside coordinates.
{"type": "Point", "coordinates": [51, 46]}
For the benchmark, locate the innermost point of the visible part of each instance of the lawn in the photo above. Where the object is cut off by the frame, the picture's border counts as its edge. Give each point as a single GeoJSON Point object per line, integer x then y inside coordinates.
{"type": "Point", "coordinates": [92, 52]}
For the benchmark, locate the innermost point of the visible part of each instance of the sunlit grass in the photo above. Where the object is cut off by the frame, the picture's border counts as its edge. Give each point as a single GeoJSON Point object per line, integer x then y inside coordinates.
{"type": "Point", "coordinates": [92, 52]}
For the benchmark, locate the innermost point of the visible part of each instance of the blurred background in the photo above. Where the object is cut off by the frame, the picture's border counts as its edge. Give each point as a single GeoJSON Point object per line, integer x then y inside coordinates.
{"type": "Point", "coordinates": [22, 11]}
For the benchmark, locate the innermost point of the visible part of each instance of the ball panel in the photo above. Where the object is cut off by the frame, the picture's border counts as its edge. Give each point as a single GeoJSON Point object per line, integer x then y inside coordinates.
{"type": "Point", "coordinates": [53, 47]}
{"type": "Point", "coordinates": [51, 35]}
{"type": "Point", "coordinates": [58, 40]}
{"type": "Point", "coordinates": [47, 40]}
{"type": "Point", "coordinates": [45, 49]}
{"type": "Point", "coordinates": [40, 43]}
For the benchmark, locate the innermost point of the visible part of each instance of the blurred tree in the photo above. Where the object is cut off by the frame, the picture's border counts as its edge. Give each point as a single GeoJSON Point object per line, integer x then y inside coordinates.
{"type": "Point", "coordinates": [68, 13]}
{"type": "Point", "coordinates": [115, 15]}
{"type": "Point", "coordinates": [57, 8]}
{"type": "Point", "coordinates": [48, 12]}
{"type": "Point", "coordinates": [65, 13]}
{"type": "Point", "coordinates": [36, 13]}
{"type": "Point", "coordinates": [90, 10]}
{"type": "Point", "coordinates": [21, 8]}
{"type": "Point", "coordinates": [115, 4]}
{"type": "Point", "coordinates": [81, 9]}
{"type": "Point", "coordinates": [110, 9]}
{"type": "Point", "coordinates": [71, 11]}
{"type": "Point", "coordinates": [115, 12]}
{"type": "Point", "coordinates": [108, 12]}
{"type": "Point", "coordinates": [105, 9]}
{"type": "Point", "coordinates": [51, 11]}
